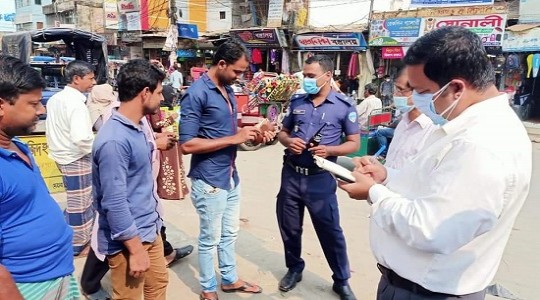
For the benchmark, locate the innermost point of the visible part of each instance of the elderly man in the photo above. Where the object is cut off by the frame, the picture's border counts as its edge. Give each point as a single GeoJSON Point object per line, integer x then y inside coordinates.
{"type": "Point", "coordinates": [70, 137]}
{"type": "Point", "coordinates": [437, 234]}
{"type": "Point", "coordinates": [368, 105]}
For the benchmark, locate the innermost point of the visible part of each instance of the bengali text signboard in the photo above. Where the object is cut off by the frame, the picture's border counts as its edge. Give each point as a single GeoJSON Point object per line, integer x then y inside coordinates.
{"type": "Point", "coordinates": [404, 31]}
{"type": "Point", "coordinates": [50, 172]}
{"type": "Point", "coordinates": [330, 41]}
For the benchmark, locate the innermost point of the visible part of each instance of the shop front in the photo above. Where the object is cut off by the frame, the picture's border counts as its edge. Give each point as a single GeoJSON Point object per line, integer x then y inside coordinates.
{"type": "Point", "coordinates": [268, 49]}
{"type": "Point", "coordinates": [521, 69]}
{"type": "Point", "coordinates": [347, 49]}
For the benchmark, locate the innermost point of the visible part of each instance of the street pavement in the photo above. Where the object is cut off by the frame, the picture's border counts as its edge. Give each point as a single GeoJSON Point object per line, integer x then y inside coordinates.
{"type": "Point", "coordinates": [260, 252]}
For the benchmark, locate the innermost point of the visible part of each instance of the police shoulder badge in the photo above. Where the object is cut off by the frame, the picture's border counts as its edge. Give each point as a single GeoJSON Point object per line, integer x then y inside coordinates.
{"type": "Point", "coordinates": [352, 116]}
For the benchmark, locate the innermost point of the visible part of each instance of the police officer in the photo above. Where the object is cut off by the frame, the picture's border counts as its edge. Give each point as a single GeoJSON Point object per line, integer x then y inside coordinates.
{"type": "Point", "coordinates": [326, 114]}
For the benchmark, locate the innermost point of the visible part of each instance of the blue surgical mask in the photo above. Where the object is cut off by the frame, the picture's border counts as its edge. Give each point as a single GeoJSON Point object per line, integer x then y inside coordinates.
{"type": "Point", "coordinates": [424, 103]}
{"type": "Point", "coordinates": [310, 85]}
{"type": "Point", "coordinates": [401, 104]}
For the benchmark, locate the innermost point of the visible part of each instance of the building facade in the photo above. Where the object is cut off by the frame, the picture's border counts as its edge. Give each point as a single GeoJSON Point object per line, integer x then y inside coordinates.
{"type": "Point", "coordinates": [29, 14]}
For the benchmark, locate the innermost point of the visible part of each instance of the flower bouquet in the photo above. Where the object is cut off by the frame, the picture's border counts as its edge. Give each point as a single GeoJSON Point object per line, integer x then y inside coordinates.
{"type": "Point", "coordinates": [270, 87]}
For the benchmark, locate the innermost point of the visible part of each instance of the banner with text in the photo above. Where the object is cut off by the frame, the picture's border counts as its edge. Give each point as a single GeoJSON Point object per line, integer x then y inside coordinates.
{"type": "Point", "coordinates": [393, 52]}
{"type": "Point", "coordinates": [331, 41]}
{"type": "Point", "coordinates": [522, 41]}
{"type": "Point", "coordinates": [50, 172]}
{"type": "Point", "coordinates": [260, 37]}
{"type": "Point", "coordinates": [7, 17]}
{"type": "Point", "coordinates": [110, 8]}
{"type": "Point", "coordinates": [447, 3]}
{"type": "Point", "coordinates": [275, 13]}
{"type": "Point", "coordinates": [125, 6]}
{"type": "Point", "coordinates": [404, 31]}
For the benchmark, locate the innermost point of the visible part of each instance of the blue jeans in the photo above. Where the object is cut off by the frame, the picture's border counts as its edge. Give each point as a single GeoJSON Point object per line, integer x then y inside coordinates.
{"type": "Point", "coordinates": [219, 213]}
{"type": "Point", "coordinates": [383, 135]}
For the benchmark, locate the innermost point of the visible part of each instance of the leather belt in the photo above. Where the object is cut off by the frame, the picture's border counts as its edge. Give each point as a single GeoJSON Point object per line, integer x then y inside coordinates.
{"type": "Point", "coordinates": [406, 284]}
{"type": "Point", "coordinates": [302, 170]}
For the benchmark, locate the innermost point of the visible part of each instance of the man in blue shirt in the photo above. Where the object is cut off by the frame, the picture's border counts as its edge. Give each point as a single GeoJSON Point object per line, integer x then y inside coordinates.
{"type": "Point", "coordinates": [129, 222]}
{"type": "Point", "coordinates": [35, 241]}
{"type": "Point", "coordinates": [208, 130]}
{"type": "Point", "coordinates": [327, 115]}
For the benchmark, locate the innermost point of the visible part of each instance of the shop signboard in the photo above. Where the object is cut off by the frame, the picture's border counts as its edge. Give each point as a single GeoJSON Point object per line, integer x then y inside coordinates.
{"type": "Point", "coordinates": [395, 32]}
{"type": "Point", "coordinates": [188, 31]}
{"type": "Point", "coordinates": [133, 20]}
{"type": "Point", "coordinates": [447, 3]}
{"type": "Point", "coordinates": [522, 41]}
{"type": "Point", "coordinates": [186, 53]}
{"type": "Point", "coordinates": [489, 28]}
{"type": "Point", "coordinates": [331, 41]}
{"type": "Point", "coordinates": [50, 172]}
{"type": "Point", "coordinates": [257, 37]}
{"type": "Point", "coordinates": [480, 10]}
{"type": "Point", "coordinates": [110, 8]}
{"type": "Point", "coordinates": [404, 31]}
{"type": "Point", "coordinates": [131, 36]}
{"type": "Point", "coordinates": [7, 17]}
{"type": "Point", "coordinates": [393, 52]}
{"type": "Point", "coordinates": [125, 6]}
{"type": "Point", "coordinates": [275, 13]}
{"type": "Point", "coordinates": [529, 11]}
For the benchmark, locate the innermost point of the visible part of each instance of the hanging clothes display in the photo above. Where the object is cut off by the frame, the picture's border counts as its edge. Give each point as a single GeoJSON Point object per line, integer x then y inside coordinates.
{"type": "Point", "coordinates": [256, 56]}
{"type": "Point", "coordinates": [352, 71]}
{"type": "Point", "coordinates": [273, 56]}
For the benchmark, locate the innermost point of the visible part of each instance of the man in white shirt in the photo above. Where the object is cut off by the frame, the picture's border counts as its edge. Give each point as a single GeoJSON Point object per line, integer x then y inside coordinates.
{"type": "Point", "coordinates": [439, 225]}
{"type": "Point", "coordinates": [412, 131]}
{"type": "Point", "coordinates": [368, 105]}
{"type": "Point", "coordinates": [176, 78]}
{"type": "Point", "coordinates": [70, 137]}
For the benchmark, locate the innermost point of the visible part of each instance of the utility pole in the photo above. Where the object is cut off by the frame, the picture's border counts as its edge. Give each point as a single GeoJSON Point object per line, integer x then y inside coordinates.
{"type": "Point", "coordinates": [370, 13]}
{"type": "Point", "coordinates": [172, 12]}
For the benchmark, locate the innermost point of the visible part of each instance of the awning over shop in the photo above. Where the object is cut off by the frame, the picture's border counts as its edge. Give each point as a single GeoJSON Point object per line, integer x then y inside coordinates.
{"type": "Point", "coordinates": [522, 38]}
{"type": "Point", "coordinates": [260, 37]}
{"type": "Point", "coordinates": [330, 41]}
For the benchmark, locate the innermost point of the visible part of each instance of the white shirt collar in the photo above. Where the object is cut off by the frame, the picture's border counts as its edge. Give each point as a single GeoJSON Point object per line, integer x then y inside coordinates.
{"type": "Point", "coordinates": [422, 120]}
{"type": "Point", "coordinates": [74, 91]}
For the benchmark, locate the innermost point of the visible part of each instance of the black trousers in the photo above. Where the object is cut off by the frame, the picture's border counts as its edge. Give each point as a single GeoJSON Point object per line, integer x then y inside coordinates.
{"type": "Point", "coordinates": [389, 290]}
{"type": "Point", "coordinates": [94, 269]}
{"type": "Point", "coordinates": [317, 194]}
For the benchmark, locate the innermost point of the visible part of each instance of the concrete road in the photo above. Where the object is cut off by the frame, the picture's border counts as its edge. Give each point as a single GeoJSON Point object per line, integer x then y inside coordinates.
{"type": "Point", "coordinates": [260, 252]}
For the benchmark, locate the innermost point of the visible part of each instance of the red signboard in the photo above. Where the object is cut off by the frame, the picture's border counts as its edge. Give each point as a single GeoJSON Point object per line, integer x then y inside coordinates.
{"type": "Point", "coordinates": [392, 52]}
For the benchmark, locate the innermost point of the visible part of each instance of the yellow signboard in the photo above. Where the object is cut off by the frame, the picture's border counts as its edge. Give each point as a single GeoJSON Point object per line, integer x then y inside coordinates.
{"type": "Point", "coordinates": [50, 172]}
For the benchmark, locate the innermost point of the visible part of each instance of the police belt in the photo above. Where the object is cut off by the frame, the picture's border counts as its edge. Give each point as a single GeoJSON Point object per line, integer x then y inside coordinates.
{"type": "Point", "coordinates": [406, 284]}
{"type": "Point", "coordinates": [303, 170]}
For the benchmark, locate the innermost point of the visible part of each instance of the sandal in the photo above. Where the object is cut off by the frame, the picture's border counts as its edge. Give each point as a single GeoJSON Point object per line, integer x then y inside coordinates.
{"type": "Point", "coordinates": [213, 296]}
{"type": "Point", "coordinates": [245, 288]}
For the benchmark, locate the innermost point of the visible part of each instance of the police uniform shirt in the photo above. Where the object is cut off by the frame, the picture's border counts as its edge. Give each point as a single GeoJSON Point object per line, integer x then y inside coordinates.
{"type": "Point", "coordinates": [303, 120]}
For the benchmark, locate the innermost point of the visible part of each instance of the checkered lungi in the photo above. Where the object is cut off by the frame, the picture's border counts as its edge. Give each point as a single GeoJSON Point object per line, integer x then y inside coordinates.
{"type": "Point", "coordinates": [77, 177]}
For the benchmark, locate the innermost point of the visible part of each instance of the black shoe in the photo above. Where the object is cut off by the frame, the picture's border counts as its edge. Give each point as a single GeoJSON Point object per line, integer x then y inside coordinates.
{"type": "Point", "coordinates": [288, 282]}
{"type": "Point", "coordinates": [344, 292]}
{"type": "Point", "coordinates": [180, 253]}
